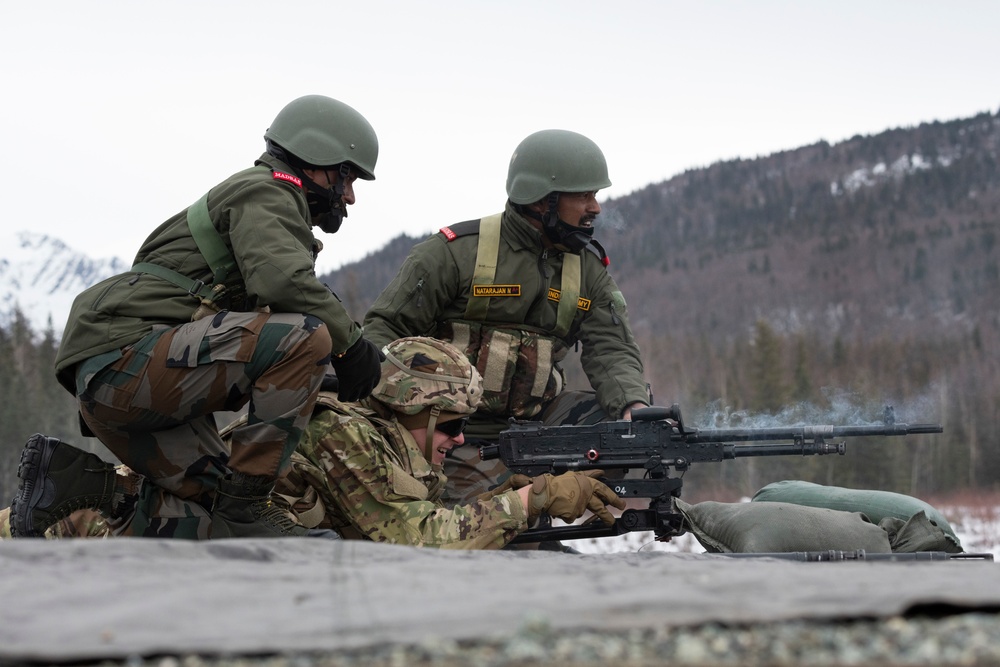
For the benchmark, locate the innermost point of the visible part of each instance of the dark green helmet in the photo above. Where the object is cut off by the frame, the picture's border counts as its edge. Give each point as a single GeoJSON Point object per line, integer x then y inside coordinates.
{"type": "Point", "coordinates": [555, 161]}
{"type": "Point", "coordinates": [321, 131]}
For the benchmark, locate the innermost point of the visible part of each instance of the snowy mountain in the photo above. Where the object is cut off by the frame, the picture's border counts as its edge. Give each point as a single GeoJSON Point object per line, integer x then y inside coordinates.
{"type": "Point", "coordinates": [41, 276]}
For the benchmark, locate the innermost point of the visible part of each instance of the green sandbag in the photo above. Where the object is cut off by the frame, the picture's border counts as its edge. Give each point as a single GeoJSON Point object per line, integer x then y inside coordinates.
{"type": "Point", "coordinates": [918, 533]}
{"type": "Point", "coordinates": [876, 505]}
{"type": "Point", "coordinates": [779, 527]}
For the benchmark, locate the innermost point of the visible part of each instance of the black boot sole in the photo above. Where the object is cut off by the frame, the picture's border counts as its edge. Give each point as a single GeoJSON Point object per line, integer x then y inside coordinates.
{"type": "Point", "coordinates": [31, 473]}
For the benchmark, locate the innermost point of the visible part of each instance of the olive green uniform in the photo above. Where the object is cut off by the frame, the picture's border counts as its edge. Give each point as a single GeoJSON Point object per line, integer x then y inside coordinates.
{"type": "Point", "coordinates": [359, 472]}
{"type": "Point", "coordinates": [148, 378]}
{"type": "Point", "coordinates": [515, 347]}
{"type": "Point", "coordinates": [264, 221]}
{"type": "Point", "coordinates": [430, 293]}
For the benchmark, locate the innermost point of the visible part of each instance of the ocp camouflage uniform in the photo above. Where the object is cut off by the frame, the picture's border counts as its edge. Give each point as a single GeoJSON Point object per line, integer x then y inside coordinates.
{"type": "Point", "coordinates": [148, 378]}
{"type": "Point", "coordinates": [358, 471]}
{"type": "Point", "coordinates": [515, 347]}
{"type": "Point", "coordinates": [81, 523]}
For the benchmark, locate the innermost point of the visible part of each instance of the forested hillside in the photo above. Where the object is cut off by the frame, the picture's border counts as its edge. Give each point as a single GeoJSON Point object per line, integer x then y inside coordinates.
{"type": "Point", "coordinates": [818, 284]}
{"type": "Point", "coordinates": [821, 282]}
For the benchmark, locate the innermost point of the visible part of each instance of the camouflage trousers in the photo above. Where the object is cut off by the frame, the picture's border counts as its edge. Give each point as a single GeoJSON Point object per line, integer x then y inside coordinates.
{"type": "Point", "coordinates": [468, 476]}
{"type": "Point", "coordinates": [153, 408]}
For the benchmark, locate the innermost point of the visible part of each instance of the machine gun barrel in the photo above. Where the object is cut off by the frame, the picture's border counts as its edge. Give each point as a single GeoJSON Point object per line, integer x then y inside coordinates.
{"type": "Point", "coordinates": [807, 432]}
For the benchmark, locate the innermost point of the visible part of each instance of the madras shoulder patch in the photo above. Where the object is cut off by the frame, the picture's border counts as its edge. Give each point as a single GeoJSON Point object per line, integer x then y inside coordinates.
{"type": "Point", "coordinates": [290, 178]}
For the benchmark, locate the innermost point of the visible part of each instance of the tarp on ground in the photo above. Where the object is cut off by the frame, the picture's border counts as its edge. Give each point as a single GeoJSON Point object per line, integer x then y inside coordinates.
{"type": "Point", "coordinates": [94, 599]}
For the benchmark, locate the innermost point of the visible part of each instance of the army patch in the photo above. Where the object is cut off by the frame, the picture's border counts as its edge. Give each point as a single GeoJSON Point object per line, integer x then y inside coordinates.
{"type": "Point", "coordinates": [282, 176]}
{"type": "Point", "coordinates": [496, 290]}
{"type": "Point", "coordinates": [581, 303]}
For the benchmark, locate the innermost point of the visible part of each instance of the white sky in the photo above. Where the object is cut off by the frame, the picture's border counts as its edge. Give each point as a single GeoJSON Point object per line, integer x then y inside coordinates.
{"type": "Point", "coordinates": [117, 114]}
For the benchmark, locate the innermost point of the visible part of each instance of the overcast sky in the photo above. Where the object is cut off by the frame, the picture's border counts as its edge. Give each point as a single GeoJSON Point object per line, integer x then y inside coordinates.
{"type": "Point", "coordinates": [117, 114]}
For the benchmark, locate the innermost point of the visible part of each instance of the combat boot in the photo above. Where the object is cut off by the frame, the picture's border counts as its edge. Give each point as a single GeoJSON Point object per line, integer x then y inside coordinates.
{"type": "Point", "coordinates": [55, 480]}
{"type": "Point", "coordinates": [243, 508]}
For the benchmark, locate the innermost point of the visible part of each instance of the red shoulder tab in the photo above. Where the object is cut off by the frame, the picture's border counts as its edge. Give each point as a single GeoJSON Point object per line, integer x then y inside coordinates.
{"type": "Point", "coordinates": [601, 253]}
{"type": "Point", "coordinates": [291, 178]}
{"type": "Point", "coordinates": [448, 234]}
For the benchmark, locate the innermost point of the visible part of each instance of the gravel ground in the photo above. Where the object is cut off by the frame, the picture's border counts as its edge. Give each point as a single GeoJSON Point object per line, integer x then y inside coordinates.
{"type": "Point", "coordinates": [970, 639]}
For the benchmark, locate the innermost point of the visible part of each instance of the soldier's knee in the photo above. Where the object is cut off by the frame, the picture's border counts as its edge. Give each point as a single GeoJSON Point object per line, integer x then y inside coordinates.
{"type": "Point", "coordinates": [320, 338]}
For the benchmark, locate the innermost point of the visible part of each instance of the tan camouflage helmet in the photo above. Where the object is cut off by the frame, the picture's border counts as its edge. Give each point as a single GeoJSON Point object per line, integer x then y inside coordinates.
{"type": "Point", "coordinates": [421, 373]}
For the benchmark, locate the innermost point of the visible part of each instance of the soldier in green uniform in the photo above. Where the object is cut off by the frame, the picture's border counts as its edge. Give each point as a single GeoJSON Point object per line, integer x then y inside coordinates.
{"type": "Point", "coordinates": [372, 469]}
{"type": "Point", "coordinates": [516, 291]}
{"type": "Point", "coordinates": [222, 308]}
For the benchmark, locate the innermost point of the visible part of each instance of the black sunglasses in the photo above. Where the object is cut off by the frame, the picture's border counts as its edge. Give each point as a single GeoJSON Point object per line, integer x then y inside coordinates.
{"type": "Point", "coordinates": [452, 428]}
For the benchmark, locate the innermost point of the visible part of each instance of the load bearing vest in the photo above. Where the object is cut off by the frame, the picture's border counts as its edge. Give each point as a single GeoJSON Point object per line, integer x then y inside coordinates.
{"type": "Point", "coordinates": [519, 363]}
{"type": "Point", "coordinates": [484, 278]}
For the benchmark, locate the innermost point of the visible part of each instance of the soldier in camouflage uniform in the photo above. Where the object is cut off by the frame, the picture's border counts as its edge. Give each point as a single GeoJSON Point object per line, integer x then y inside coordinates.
{"type": "Point", "coordinates": [372, 470]}
{"type": "Point", "coordinates": [81, 523]}
{"type": "Point", "coordinates": [221, 309]}
{"type": "Point", "coordinates": [515, 291]}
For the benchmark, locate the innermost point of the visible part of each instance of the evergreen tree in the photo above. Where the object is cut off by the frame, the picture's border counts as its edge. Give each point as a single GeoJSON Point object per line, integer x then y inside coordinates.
{"type": "Point", "coordinates": [769, 390]}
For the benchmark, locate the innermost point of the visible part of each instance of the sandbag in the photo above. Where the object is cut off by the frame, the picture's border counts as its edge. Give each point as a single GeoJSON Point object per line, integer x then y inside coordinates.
{"type": "Point", "coordinates": [918, 533]}
{"type": "Point", "coordinates": [780, 527]}
{"type": "Point", "coordinates": [876, 505]}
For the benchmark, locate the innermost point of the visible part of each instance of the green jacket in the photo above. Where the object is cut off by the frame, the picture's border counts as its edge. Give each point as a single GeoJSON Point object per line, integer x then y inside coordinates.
{"type": "Point", "coordinates": [358, 471]}
{"type": "Point", "coordinates": [434, 284]}
{"type": "Point", "coordinates": [264, 221]}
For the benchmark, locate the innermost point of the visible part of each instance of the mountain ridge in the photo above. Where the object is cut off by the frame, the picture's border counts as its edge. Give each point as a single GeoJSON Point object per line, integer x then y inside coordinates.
{"type": "Point", "coordinates": [42, 275]}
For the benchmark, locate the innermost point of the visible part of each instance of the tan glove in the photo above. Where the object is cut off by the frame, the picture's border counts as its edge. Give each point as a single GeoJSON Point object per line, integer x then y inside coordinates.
{"type": "Point", "coordinates": [513, 482]}
{"type": "Point", "coordinates": [569, 495]}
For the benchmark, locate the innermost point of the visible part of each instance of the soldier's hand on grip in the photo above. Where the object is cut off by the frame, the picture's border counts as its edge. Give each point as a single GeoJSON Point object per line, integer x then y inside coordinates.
{"type": "Point", "coordinates": [358, 370]}
{"type": "Point", "coordinates": [569, 495]}
{"type": "Point", "coordinates": [513, 482]}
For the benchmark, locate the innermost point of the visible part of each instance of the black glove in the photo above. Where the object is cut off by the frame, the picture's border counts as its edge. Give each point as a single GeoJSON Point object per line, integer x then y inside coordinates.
{"type": "Point", "coordinates": [358, 370]}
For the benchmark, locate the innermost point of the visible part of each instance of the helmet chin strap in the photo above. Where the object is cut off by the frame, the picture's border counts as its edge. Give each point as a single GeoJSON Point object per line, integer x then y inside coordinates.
{"type": "Point", "coordinates": [563, 235]}
{"type": "Point", "coordinates": [429, 437]}
{"type": "Point", "coordinates": [326, 205]}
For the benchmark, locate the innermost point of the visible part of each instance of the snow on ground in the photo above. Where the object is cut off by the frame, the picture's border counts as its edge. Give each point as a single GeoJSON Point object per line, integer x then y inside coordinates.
{"type": "Point", "coordinates": [978, 529]}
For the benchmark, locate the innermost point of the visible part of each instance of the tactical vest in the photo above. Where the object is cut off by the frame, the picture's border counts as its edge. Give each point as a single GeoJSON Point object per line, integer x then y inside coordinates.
{"type": "Point", "coordinates": [519, 363]}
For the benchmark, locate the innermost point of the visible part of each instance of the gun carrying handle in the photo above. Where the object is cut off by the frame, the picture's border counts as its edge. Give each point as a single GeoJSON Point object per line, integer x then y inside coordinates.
{"type": "Point", "coordinates": [658, 412]}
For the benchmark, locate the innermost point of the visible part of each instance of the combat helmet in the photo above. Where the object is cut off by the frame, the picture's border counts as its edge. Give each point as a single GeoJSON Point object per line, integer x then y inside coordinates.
{"type": "Point", "coordinates": [322, 132]}
{"type": "Point", "coordinates": [317, 132]}
{"type": "Point", "coordinates": [555, 161]}
{"type": "Point", "coordinates": [420, 373]}
{"type": "Point", "coordinates": [547, 163]}
{"type": "Point", "coordinates": [426, 381]}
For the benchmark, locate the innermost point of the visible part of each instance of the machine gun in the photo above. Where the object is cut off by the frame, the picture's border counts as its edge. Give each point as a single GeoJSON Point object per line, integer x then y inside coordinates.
{"type": "Point", "coordinates": [654, 442]}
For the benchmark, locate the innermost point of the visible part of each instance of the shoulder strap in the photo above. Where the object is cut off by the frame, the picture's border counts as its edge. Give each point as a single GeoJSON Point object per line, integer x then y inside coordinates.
{"type": "Point", "coordinates": [209, 242]}
{"type": "Point", "coordinates": [210, 245]}
{"type": "Point", "coordinates": [569, 294]}
{"type": "Point", "coordinates": [486, 266]}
